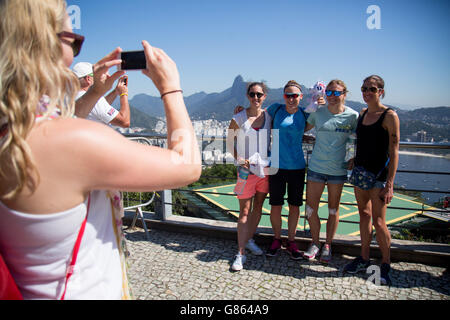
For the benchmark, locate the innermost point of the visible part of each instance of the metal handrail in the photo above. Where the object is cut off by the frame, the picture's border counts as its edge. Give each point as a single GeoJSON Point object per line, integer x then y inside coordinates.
{"type": "Point", "coordinates": [145, 138]}
{"type": "Point", "coordinates": [141, 205]}
{"type": "Point", "coordinates": [402, 144]}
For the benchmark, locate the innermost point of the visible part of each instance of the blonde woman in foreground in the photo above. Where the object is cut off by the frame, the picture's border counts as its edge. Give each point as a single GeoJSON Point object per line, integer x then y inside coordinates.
{"type": "Point", "coordinates": [56, 170]}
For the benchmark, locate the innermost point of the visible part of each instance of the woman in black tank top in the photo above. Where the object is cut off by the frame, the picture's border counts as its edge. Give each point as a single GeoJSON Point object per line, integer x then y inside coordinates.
{"type": "Point", "coordinates": [372, 146]}
{"type": "Point", "coordinates": [378, 135]}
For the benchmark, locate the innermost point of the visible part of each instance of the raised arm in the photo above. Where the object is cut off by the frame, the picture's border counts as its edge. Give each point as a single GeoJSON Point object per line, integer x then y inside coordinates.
{"type": "Point", "coordinates": [102, 83]}
{"type": "Point", "coordinates": [123, 117]}
{"type": "Point", "coordinates": [127, 165]}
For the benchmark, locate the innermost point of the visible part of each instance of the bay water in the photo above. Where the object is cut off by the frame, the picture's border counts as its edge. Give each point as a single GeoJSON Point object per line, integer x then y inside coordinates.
{"type": "Point", "coordinates": [424, 161]}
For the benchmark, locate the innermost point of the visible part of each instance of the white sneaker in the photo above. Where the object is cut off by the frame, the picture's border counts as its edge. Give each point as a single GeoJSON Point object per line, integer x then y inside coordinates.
{"type": "Point", "coordinates": [311, 253]}
{"type": "Point", "coordinates": [251, 245]}
{"type": "Point", "coordinates": [238, 263]}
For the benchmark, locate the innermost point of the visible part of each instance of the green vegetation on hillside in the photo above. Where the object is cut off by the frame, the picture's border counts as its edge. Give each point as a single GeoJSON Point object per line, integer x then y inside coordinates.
{"type": "Point", "coordinates": [216, 174]}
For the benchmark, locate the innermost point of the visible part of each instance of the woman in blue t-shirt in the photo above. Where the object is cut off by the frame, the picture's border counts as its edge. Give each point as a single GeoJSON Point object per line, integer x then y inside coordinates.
{"type": "Point", "coordinates": [288, 161]}
{"type": "Point", "coordinates": [334, 124]}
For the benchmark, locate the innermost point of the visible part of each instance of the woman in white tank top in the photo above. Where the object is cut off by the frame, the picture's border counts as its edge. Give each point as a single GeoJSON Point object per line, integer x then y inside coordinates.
{"type": "Point", "coordinates": [56, 170]}
{"type": "Point", "coordinates": [249, 140]}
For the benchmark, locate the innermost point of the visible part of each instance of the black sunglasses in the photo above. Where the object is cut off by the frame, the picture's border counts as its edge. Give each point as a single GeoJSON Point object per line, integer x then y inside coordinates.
{"type": "Point", "coordinates": [77, 42]}
{"type": "Point", "coordinates": [253, 94]}
{"type": "Point", "coordinates": [371, 89]}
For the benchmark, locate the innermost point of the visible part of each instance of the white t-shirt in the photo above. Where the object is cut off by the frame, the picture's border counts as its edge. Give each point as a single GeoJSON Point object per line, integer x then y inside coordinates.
{"type": "Point", "coordinates": [102, 112]}
{"type": "Point", "coordinates": [38, 248]}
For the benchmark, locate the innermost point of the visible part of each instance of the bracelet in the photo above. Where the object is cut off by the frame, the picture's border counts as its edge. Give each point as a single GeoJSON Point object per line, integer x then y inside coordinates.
{"type": "Point", "coordinates": [124, 94]}
{"type": "Point", "coordinates": [171, 92]}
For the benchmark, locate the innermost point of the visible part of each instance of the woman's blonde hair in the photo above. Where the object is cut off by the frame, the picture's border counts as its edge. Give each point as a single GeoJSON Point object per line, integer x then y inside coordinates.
{"type": "Point", "coordinates": [31, 65]}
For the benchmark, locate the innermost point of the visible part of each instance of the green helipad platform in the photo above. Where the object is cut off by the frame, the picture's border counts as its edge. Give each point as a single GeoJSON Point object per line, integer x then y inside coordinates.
{"type": "Point", "coordinates": [346, 212]}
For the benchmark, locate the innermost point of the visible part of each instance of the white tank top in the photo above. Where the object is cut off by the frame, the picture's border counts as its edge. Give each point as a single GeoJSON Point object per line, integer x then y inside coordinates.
{"type": "Point", "coordinates": [251, 141]}
{"type": "Point", "coordinates": [38, 247]}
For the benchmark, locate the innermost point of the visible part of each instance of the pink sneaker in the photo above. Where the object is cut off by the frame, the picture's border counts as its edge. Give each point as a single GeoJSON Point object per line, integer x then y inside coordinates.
{"type": "Point", "coordinates": [292, 249]}
{"type": "Point", "coordinates": [274, 248]}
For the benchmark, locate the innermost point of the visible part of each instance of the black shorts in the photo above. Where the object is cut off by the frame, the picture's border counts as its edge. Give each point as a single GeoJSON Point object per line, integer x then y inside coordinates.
{"type": "Point", "coordinates": [295, 180]}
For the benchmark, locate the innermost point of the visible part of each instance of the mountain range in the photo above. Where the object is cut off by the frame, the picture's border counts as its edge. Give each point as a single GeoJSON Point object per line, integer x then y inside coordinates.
{"type": "Point", "coordinates": [220, 106]}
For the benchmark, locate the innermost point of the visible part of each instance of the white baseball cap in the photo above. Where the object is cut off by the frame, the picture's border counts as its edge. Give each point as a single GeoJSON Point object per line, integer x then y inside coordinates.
{"type": "Point", "coordinates": [82, 69]}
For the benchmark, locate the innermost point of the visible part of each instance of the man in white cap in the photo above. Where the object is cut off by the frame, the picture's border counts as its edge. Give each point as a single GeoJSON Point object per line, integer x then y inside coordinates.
{"type": "Point", "coordinates": [103, 112]}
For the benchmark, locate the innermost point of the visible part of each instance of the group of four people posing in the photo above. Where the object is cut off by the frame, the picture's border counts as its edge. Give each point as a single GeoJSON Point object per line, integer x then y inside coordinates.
{"type": "Point", "coordinates": [279, 132]}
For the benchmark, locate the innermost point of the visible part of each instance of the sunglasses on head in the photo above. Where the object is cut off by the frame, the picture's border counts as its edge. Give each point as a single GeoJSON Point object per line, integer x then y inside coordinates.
{"type": "Point", "coordinates": [371, 89]}
{"type": "Point", "coordinates": [257, 94]}
{"type": "Point", "coordinates": [292, 95]}
{"type": "Point", "coordinates": [329, 93]}
{"type": "Point", "coordinates": [76, 44]}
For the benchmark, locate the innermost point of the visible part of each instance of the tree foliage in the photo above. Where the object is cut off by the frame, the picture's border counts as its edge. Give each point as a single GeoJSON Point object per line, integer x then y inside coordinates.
{"type": "Point", "coordinates": [216, 174]}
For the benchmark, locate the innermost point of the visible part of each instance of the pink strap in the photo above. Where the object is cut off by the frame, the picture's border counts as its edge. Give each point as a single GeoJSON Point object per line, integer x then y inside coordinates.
{"type": "Point", "coordinates": [71, 267]}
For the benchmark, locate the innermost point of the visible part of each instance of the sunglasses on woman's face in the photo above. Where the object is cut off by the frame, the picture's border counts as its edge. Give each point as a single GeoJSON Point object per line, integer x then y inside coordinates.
{"type": "Point", "coordinates": [329, 93]}
{"type": "Point", "coordinates": [292, 95]}
{"type": "Point", "coordinates": [371, 89]}
{"type": "Point", "coordinates": [75, 44]}
{"type": "Point", "coordinates": [257, 94]}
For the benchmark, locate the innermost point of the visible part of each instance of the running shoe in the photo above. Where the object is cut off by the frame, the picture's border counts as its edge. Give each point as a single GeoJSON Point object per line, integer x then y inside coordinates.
{"type": "Point", "coordinates": [292, 249]}
{"type": "Point", "coordinates": [311, 253]}
{"type": "Point", "coordinates": [325, 256]}
{"type": "Point", "coordinates": [358, 264]}
{"type": "Point", "coordinates": [238, 263]}
{"type": "Point", "coordinates": [384, 274]}
{"type": "Point", "coordinates": [251, 245]}
{"type": "Point", "coordinates": [274, 248]}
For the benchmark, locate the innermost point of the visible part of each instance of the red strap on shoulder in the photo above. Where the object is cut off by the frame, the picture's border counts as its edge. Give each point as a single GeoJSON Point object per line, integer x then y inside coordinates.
{"type": "Point", "coordinates": [73, 260]}
{"type": "Point", "coordinates": [8, 287]}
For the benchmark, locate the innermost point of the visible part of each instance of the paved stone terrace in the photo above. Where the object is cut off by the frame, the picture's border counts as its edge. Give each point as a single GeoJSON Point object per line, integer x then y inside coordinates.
{"type": "Point", "coordinates": [174, 266]}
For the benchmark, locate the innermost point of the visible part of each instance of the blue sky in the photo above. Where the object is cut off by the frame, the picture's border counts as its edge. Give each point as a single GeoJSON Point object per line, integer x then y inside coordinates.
{"type": "Point", "coordinates": [214, 41]}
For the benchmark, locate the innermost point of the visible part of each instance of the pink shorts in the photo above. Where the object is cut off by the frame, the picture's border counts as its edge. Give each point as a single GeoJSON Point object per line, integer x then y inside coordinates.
{"type": "Point", "coordinates": [254, 184]}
